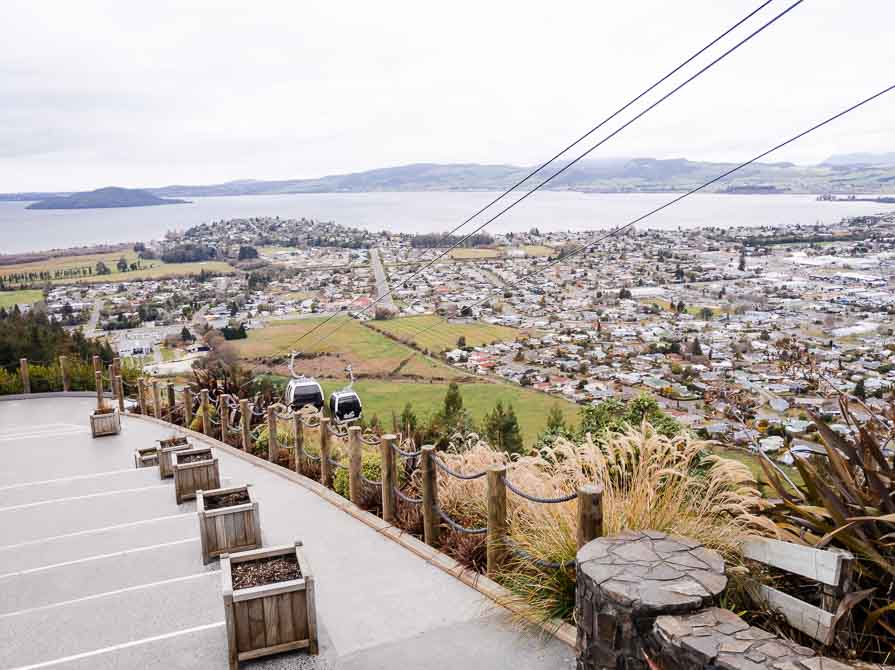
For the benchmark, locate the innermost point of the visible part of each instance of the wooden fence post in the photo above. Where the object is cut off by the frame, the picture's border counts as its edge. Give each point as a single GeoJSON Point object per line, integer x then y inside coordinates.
{"type": "Point", "coordinates": [141, 395]}
{"type": "Point", "coordinates": [98, 376]}
{"type": "Point", "coordinates": [273, 449]}
{"type": "Point", "coordinates": [119, 384]}
{"type": "Point", "coordinates": [430, 496]}
{"type": "Point", "coordinates": [187, 407]}
{"type": "Point", "coordinates": [299, 429]}
{"type": "Point", "coordinates": [172, 401]}
{"type": "Point", "coordinates": [63, 370]}
{"type": "Point", "coordinates": [246, 419]}
{"type": "Point", "coordinates": [224, 413]}
{"type": "Point", "coordinates": [97, 364]}
{"type": "Point", "coordinates": [497, 518]}
{"type": "Point", "coordinates": [387, 476]}
{"type": "Point", "coordinates": [156, 400]}
{"type": "Point", "coordinates": [26, 377]}
{"type": "Point", "coordinates": [355, 464]}
{"type": "Point", "coordinates": [590, 513]}
{"type": "Point", "coordinates": [206, 418]}
{"type": "Point", "coordinates": [325, 468]}
{"type": "Point", "coordinates": [114, 371]}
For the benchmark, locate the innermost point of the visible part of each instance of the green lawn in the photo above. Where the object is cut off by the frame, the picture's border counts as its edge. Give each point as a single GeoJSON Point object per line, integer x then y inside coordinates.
{"type": "Point", "coordinates": [442, 335]}
{"type": "Point", "coordinates": [383, 397]}
{"type": "Point", "coordinates": [347, 341]}
{"type": "Point", "coordinates": [27, 297]}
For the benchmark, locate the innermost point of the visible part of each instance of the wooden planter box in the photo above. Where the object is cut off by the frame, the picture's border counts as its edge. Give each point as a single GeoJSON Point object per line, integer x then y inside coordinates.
{"type": "Point", "coordinates": [269, 619]}
{"type": "Point", "coordinates": [105, 424]}
{"type": "Point", "coordinates": [227, 530]}
{"type": "Point", "coordinates": [167, 449]}
{"type": "Point", "coordinates": [146, 458]}
{"type": "Point", "coordinates": [199, 475]}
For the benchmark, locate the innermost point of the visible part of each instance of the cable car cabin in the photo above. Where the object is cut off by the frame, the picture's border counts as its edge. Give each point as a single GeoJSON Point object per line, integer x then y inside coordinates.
{"type": "Point", "coordinates": [345, 406]}
{"type": "Point", "coordinates": [302, 392]}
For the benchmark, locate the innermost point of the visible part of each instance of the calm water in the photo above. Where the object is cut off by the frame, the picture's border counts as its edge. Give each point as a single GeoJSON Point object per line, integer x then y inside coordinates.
{"type": "Point", "coordinates": [30, 230]}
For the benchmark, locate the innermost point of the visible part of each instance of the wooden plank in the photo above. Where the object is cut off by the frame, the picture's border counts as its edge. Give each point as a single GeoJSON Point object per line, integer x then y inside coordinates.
{"type": "Point", "coordinates": [227, 510]}
{"type": "Point", "coordinates": [279, 649]}
{"type": "Point", "coordinates": [272, 622]}
{"type": "Point", "coordinates": [817, 564]}
{"type": "Point", "coordinates": [268, 552]}
{"type": "Point", "coordinates": [243, 639]}
{"type": "Point", "coordinates": [268, 590]}
{"type": "Point", "coordinates": [287, 627]}
{"type": "Point", "coordinates": [811, 620]}
{"type": "Point", "coordinates": [257, 632]}
{"type": "Point", "coordinates": [298, 605]}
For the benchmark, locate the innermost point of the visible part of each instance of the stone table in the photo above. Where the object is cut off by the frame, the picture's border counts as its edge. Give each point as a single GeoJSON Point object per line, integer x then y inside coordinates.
{"type": "Point", "coordinates": [628, 580]}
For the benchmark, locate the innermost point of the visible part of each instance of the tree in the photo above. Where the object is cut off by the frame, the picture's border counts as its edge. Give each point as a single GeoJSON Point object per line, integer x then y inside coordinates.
{"type": "Point", "coordinates": [556, 421]}
{"type": "Point", "coordinates": [860, 391]}
{"type": "Point", "coordinates": [408, 420]}
{"type": "Point", "coordinates": [186, 335]}
{"type": "Point", "coordinates": [706, 313]}
{"type": "Point", "coordinates": [453, 403]}
{"type": "Point", "coordinates": [624, 294]}
{"type": "Point", "coordinates": [681, 307]}
{"type": "Point", "coordinates": [102, 268]}
{"type": "Point", "coordinates": [461, 342]}
{"type": "Point", "coordinates": [742, 264]}
{"type": "Point", "coordinates": [122, 264]}
{"type": "Point", "coordinates": [501, 427]}
{"type": "Point", "coordinates": [696, 348]}
{"type": "Point", "coordinates": [247, 253]}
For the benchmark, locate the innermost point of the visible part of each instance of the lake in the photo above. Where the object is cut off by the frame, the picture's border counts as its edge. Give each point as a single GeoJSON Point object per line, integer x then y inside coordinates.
{"type": "Point", "coordinates": [23, 230]}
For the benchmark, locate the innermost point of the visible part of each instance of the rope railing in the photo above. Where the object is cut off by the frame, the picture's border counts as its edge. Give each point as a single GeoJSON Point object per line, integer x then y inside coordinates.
{"type": "Point", "coordinates": [314, 458]}
{"type": "Point", "coordinates": [537, 499]}
{"type": "Point", "coordinates": [338, 431]}
{"type": "Point", "coordinates": [519, 552]}
{"type": "Point", "coordinates": [441, 465]}
{"type": "Point", "coordinates": [371, 439]}
{"type": "Point", "coordinates": [407, 454]}
{"type": "Point", "coordinates": [336, 464]}
{"type": "Point", "coordinates": [406, 498]}
{"type": "Point", "coordinates": [370, 482]}
{"type": "Point", "coordinates": [458, 527]}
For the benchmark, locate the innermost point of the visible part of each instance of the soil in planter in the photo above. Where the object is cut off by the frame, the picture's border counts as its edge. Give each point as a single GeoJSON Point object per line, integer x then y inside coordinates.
{"type": "Point", "coordinates": [173, 441]}
{"type": "Point", "coordinates": [104, 410]}
{"type": "Point", "coordinates": [193, 458]}
{"type": "Point", "coordinates": [265, 571]}
{"type": "Point", "coordinates": [226, 500]}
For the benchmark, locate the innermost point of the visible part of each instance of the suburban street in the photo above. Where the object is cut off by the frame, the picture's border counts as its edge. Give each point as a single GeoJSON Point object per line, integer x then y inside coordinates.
{"type": "Point", "coordinates": [381, 281]}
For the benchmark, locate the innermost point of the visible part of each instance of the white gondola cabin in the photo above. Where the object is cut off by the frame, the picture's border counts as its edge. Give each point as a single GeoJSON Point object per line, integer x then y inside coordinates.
{"type": "Point", "coordinates": [345, 405]}
{"type": "Point", "coordinates": [303, 391]}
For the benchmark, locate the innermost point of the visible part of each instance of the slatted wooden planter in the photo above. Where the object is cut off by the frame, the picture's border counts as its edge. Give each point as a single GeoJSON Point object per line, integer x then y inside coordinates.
{"type": "Point", "coordinates": [167, 449]}
{"type": "Point", "coordinates": [195, 470]}
{"type": "Point", "coordinates": [105, 422]}
{"type": "Point", "coordinates": [146, 458]}
{"type": "Point", "coordinates": [271, 618]}
{"type": "Point", "coordinates": [228, 521]}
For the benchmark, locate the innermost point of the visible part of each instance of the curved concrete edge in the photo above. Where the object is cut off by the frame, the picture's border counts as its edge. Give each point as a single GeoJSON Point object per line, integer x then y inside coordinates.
{"type": "Point", "coordinates": [53, 394]}
{"type": "Point", "coordinates": [559, 630]}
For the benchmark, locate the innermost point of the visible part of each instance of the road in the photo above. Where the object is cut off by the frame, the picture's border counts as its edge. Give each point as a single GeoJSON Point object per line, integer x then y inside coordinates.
{"type": "Point", "coordinates": [94, 318]}
{"type": "Point", "coordinates": [381, 280]}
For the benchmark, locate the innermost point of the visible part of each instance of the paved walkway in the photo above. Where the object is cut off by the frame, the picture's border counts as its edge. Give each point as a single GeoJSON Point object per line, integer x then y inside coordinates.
{"type": "Point", "coordinates": [99, 568]}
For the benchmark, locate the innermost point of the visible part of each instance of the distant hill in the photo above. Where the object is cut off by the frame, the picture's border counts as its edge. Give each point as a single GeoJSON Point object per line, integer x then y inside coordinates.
{"type": "Point", "coordinates": [613, 175]}
{"type": "Point", "coordinates": [860, 159]}
{"type": "Point", "coordinates": [845, 174]}
{"type": "Point", "coordinates": [103, 198]}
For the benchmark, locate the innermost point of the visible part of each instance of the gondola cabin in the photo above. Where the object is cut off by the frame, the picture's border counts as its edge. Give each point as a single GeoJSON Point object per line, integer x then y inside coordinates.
{"type": "Point", "coordinates": [302, 392]}
{"type": "Point", "coordinates": [345, 406]}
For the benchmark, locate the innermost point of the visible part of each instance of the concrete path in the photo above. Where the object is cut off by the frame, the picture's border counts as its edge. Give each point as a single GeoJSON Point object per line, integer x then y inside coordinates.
{"type": "Point", "coordinates": [99, 568]}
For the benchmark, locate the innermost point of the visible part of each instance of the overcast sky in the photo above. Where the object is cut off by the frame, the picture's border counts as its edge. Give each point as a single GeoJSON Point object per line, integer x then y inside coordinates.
{"type": "Point", "coordinates": [151, 93]}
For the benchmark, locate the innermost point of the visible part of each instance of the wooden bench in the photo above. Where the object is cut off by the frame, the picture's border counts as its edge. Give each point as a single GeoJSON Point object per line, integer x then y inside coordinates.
{"type": "Point", "coordinates": [830, 567]}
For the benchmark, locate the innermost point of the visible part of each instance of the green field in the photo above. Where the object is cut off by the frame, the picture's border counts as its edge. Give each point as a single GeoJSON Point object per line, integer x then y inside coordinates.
{"type": "Point", "coordinates": [441, 335]}
{"type": "Point", "coordinates": [10, 298]}
{"type": "Point", "coordinates": [347, 341]}
{"type": "Point", "coordinates": [383, 397]}
{"type": "Point", "coordinates": [150, 269]}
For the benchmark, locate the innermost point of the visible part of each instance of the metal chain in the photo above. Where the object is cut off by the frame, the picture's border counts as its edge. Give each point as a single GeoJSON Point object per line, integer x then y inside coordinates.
{"type": "Point", "coordinates": [441, 465]}
{"type": "Point", "coordinates": [406, 498]}
{"type": "Point", "coordinates": [538, 499]}
{"type": "Point", "coordinates": [519, 552]}
{"type": "Point", "coordinates": [456, 526]}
